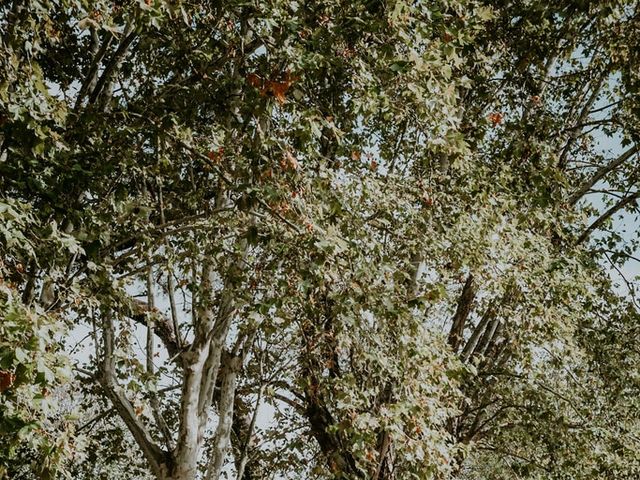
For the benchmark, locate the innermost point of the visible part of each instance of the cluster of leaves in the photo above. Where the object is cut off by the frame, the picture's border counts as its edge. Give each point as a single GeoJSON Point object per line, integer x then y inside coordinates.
{"type": "Point", "coordinates": [36, 435]}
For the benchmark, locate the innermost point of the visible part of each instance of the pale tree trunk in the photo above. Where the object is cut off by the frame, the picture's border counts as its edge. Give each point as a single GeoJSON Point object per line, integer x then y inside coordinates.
{"type": "Point", "coordinates": [225, 412]}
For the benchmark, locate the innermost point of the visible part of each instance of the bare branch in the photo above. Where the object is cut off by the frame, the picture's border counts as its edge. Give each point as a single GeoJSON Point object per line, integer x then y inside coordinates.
{"type": "Point", "coordinates": [462, 313]}
{"type": "Point", "coordinates": [608, 214]}
{"type": "Point", "coordinates": [601, 173]}
{"type": "Point", "coordinates": [469, 348]}
{"type": "Point", "coordinates": [157, 458]}
{"type": "Point", "coordinates": [104, 84]}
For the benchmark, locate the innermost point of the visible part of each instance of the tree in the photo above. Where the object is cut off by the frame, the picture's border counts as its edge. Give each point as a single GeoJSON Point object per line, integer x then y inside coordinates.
{"type": "Point", "coordinates": [364, 221]}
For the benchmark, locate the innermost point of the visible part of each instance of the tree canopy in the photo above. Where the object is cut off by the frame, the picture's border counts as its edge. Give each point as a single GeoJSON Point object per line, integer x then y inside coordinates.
{"type": "Point", "coordinates": [325, 239]}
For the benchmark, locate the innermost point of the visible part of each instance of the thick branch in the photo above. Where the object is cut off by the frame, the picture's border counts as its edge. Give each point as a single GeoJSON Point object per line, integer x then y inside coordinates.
{"type": "Point", "coordinates": [608, 214]}
{"type": "Point", "coordinates": [163, 327]}
{"type": "Point", "coordinates": [321, 422]}
{"type": "Point", "coordinates": [462, 313]}
{"type": "Point", "coordinates": [195, 359]}
{"type": "Point", "coordinates": [155, 404]}
{"type": "Point", "coordinates": [600, 174]}
{"type": "Point", "coordinates": [112, 67]}
{"type": "Point", "coordinates": [471, 344]}
{"type": "Point", "coordinates": [225, 418]}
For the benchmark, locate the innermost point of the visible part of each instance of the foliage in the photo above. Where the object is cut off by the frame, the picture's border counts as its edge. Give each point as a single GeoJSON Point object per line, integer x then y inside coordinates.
{"type": "Point", "coordinates": [36, 437]}
{"type": "Point", "coordinates": [322, 239]}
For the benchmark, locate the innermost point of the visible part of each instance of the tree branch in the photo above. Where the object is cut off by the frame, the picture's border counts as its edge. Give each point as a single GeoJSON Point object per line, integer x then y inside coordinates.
{"type": "Point", "coordinates": [91, 79]}
{"type": "Point", "coordinates": [584, 113]}
{"type": "Point", "coordinates": [225, 418]}
{"type": "Point", "coordinates": [462, 313]}
{"type": "Point", "coordinates": [246, 443]}
{"type": "Point", "coordinates": [153, 398]}
{"type": "Point", "coordinates": [471, 344]}
{"type": "Point", "coordinates": [601, 173]}
{"type": "Point", "coordinates": [159, 460]}
{"type": "Point", "coordinates": [103, 86]}
{"type": "Point", "coordinates": [608, 214]}
{"type": "Point", "coordinates": [163, 327]}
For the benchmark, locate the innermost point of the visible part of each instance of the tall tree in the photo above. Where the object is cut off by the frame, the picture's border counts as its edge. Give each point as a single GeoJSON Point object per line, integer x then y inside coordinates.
{"type": "Point", "coordinates": [327, 239]}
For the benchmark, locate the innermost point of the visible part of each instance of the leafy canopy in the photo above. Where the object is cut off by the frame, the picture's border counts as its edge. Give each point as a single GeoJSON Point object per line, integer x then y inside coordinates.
{"type": "Point", "coordinates": [319, 239]}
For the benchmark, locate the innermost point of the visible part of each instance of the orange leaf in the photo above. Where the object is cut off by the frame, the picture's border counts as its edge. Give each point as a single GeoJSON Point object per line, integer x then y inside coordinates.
{"type": "Point", "coordinates": [289, 162]}
{"type": "Point", "coordinates": [496, 118]}
{"type": "Point", "coordinates": [279, 90]}
{"type": "Point", "coordinates": [6, 380]}
{"type": "Point", "coordinates": [275, 88]}
{"type": "Point", "coordinates": [254, 80]}
{"type": "Point", "coordinates": [216, 156]}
